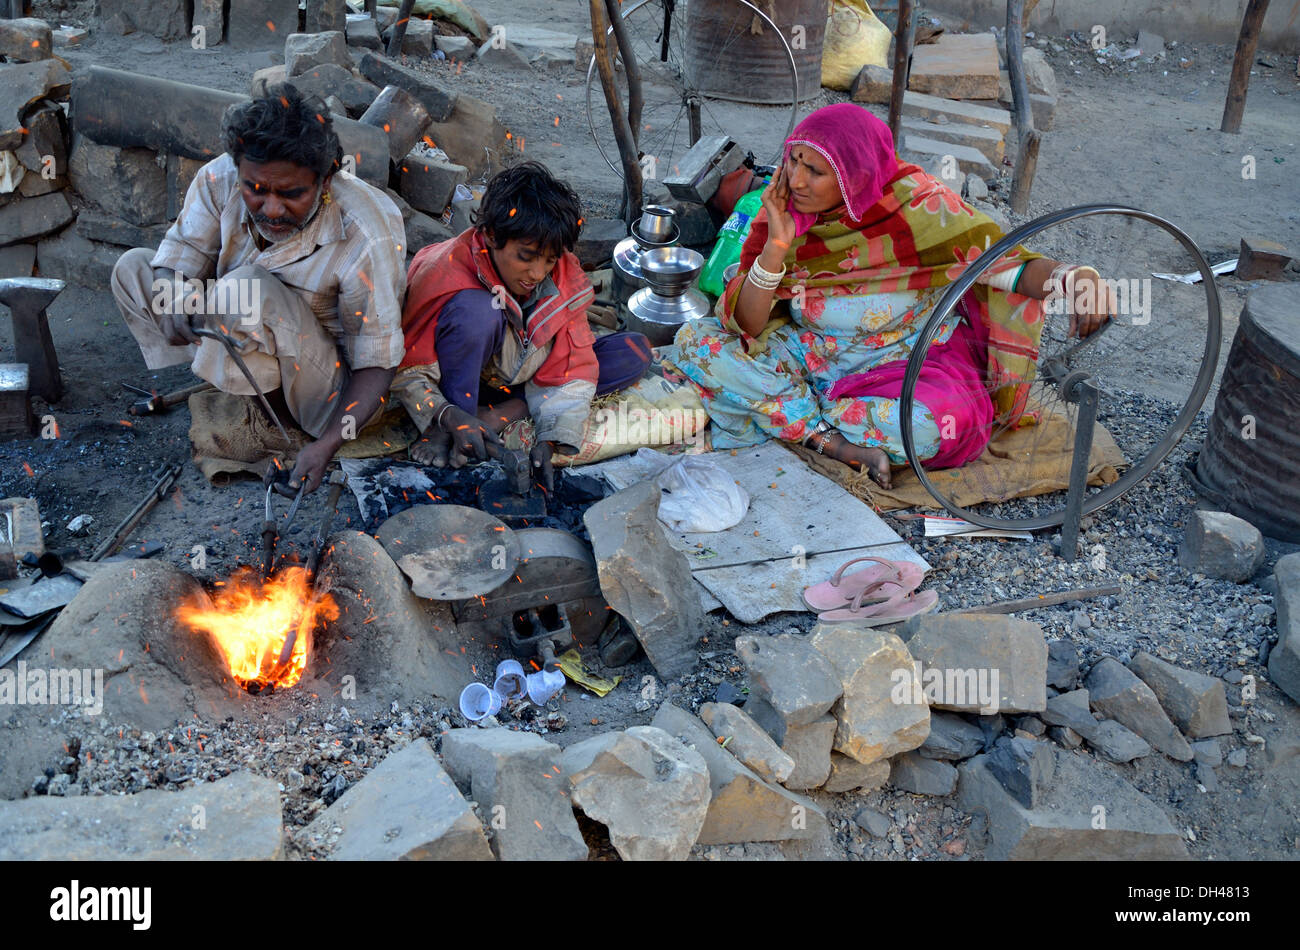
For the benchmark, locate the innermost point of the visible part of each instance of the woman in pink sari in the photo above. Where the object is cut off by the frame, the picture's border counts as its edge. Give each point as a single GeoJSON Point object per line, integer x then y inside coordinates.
{"type": "Point", "coordinates": [843, 265]}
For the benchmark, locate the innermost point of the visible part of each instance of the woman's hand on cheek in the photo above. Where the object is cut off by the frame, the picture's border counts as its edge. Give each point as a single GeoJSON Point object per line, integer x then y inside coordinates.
{"type": "Point", "coordinates": [780, 223]}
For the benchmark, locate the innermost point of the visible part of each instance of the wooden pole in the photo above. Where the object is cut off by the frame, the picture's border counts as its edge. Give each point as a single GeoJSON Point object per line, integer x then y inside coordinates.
{"type": "Point", "coordinates": [632, 190]}
{"type": "Point", "coordinates": [399, 28]}
{"type": "Point", "coordinates": [902, 67]}
{"type": "Point", "coordinates": [1022, 182]}
{"type": "Point", "coordinates": [1244, 58]}
{"type": "Point", "coordinates": [622, 129]}
{"type": "Point", "coordinates": [1042, 600]}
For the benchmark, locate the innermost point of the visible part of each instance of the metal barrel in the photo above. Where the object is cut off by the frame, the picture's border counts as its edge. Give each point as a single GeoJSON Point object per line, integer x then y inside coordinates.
{"type": "Point", "coordinates": [753, 52]}
{"type": "Point", "coordinates": [1250, 463]}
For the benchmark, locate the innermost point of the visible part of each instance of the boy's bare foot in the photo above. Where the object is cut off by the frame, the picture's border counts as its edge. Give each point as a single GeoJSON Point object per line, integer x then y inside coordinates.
{"type": "Point", "coordinates": [874, 461]}
{"type": "Point", "coordinates": [432, 448]}
{"type": "Point", "coordinates": [498, 416]}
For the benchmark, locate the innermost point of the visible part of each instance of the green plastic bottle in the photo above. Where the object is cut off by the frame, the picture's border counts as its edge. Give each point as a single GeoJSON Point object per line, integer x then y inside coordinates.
{"type": "Point", "coordinates": [727, 249]}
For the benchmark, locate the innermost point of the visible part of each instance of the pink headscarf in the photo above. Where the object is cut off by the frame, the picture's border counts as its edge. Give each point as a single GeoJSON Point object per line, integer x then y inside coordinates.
{"type": "Point", "coordinates": [860, 150]}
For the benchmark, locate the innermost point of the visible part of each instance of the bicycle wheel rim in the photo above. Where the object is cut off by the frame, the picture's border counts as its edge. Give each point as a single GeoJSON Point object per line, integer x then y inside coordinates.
{"type": "Point", "coordinates": [1140, 468]}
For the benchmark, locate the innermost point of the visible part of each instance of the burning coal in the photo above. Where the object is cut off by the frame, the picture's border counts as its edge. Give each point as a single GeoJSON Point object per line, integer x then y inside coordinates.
{"type": "Point", "coordinates": [251, 620]}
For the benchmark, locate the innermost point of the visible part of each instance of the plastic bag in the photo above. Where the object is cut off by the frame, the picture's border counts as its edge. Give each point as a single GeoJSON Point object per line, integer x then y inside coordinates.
{"type": "Point", "coordinates": [854, 38]}
{"type": "Point", "coordinates": [699, 495]}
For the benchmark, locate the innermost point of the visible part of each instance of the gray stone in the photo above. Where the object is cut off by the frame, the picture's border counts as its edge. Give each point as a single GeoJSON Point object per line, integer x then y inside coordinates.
{"type": "Point", "coordinates": [747, 741]}
{"type": "Point", "coordinates": [440, 104]}
{"type": "Point", "coordinates": [1032, 725]}
{"type": "Point", "coordinates": [46, 142]}
{"type": "Point", "coordinates": [872, 822]}
{"type": "Point", "coordinates": [648, 789]}
{"type": "Point", "coordinates": [951, 737]}
{"type": "Point", "coordinates": [1221, 545]}
{"type": "Point", "coordinates": [69, 36]}
{"type": "Point", "coordinates": [1284, 658]}
{"type": "Point", "coordinates": [969, 160]}
{"type": "Point", "coordinates": [1039, 75]}
{"type": "Point", "coordinates": [326, 15]}
{"type": "Point", "coordinates": [1087, 813]}
{"type": "Point", "coordinates": [541, 46]}
{"type": "Point", "coordinates": [1065, 737]}
{"type": "Point", "coordinates": [966, 651]}
{"type": "Point", "coordinates": [1043, 109]}
{"type": "Point", "coordinates": [254, 24]}
{"type": "Point", "coordinates": [211, 15]}
{"type": "Point", "coordinates": [1115, 692]}
{"type": "Point", "coordinates": [882, 711]}
{"type": "Point", "coordinates": [418, 39]}
{"type": "Point", "coordinates": [796, 679]}
{"type": "Point", "coordinates": [498, 55]}
{"type": "Point", "coordinates": [646, 580]}
{"type": "Point", "coordinates": [423, 230]}
{"type": "Point", "coordinates": [1025, 768]}
{"type": "Point", "coordinates": [242, 822]}
{"type": "Point", "coordinates": [915, 773]}
{"type": "Point", "coordinates": [363, 33]}
{"type": "Point", "coordinates": [71, 257]}
{"type": "Point", "coordinates": [873, 84]}
{"type": "Point", "coordinates": [462, 213]}
{"type": "Point", "coordinates": [328, 79]}
{"type": "Point", "coordinates": [473, 136]}
{"type": "Point", "coordinates": [17, 260]}
{"type": "Point", "coordinates": [1115, 743]}
{"type": "Point", "coordinates": [303, 51]}
{"type": "Point", "coordinates": [1237, 758]}
{"type": "Point", "coordinates": [1197, 704]}
{"type": "Point", "coordinates": [1205, 775]}
{"type": "Point", "coordinates": [986, 141]}
{"type": "Point", "coordinates": [975, 188]}
{"type": "Point", "coordinates": [25, 84]}
{"type": "Point", "coordinates": [429, 184]}
{"type": "Point", "coordinates": [1062, 664]}
{"type": "Point", "coordinates": [809, 746]}
{"type": "Point", "coordinates": [456, 47]}
{"type": "Point", "coordinates": [1072, 711]}
{"type": "Point", "coordinates": [515, 778]}
{"type": "Point", "coordinates": [929, 107]}
{"type": "Point", "coordinates": [25, 40]}
{"type": "Point", "coordinates": [1208, 752]}
{"type": "Point", "coordinates": [165, 19]}
{"type": "Point", "coordinates": [265, 78]}
{"type": "Point", "coordinates": [181, 172]}
{"type": "Point", "coordinates": [597, 239]}
{"type": "Point", "coordinates": [127, 183]}
{"type": "Point", "coordinates": [1150, 43]}
{"type": "Point", "coordinates": [742, 807]}
{"type": "Point", "coordinates": [991, 727]}
{"type": "Point", "coordinates": [849, 775]}
{"type": "Point", "coordinates": [110, 230]}
{"type": "Point", "coordinates": [408, 808]}
{"type": "Point", "coordinates": [31, 218]}
{"type": "Point", "coordinates": [336, 106]}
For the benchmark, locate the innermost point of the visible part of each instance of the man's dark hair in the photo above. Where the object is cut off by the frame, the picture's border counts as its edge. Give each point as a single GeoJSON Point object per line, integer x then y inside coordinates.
{"type": "Point", "coordinates": [526, 202]}
{"type": "Point", "coordinates": [283, 126]}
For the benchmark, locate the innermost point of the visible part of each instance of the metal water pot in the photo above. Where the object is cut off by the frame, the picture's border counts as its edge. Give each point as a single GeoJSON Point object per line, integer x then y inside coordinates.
{"type": "Point", "coordinates": [655, 229]}
{"type": "Point", "coordinates": [659, 309]}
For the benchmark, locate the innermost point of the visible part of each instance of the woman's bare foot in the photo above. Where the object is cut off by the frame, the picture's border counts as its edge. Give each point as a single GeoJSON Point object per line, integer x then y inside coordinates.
{"type": "Point", "coordinates": [860, 457]}
{"type": "Point", "coordinates": [432, 448]}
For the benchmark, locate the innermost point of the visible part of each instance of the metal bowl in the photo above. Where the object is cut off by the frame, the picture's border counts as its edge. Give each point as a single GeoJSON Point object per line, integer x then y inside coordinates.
{"type": "Point", "coordinates": [730, 273]}
{"type": "Point", "coordinates": [670, 271]}
{"type": "Point", "coordinates": [656, 223]}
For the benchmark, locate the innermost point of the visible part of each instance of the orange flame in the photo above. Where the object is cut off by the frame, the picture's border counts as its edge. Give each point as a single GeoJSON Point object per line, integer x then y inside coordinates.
{"type": "Point", "coordinates": [251, 619]}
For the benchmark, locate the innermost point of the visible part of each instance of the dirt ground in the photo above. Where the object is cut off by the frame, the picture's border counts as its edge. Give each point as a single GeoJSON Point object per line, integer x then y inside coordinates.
{"type": "Point", "coordinates": [1144, 135]}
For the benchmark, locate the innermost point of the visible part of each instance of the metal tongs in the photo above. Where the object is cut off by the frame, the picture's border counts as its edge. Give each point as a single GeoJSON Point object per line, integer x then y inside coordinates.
{"type": "Point", "coordinates": [276, 481]}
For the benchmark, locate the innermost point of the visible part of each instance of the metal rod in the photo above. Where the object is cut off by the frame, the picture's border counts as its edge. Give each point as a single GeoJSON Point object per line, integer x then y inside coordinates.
{"type": "Point", "coordinates": [1042, 600]}
{"type": "Point", "coordinates": [225, 340]}
{"type": "Point", "coordinates": [166, 479]}
{"type": "Point", "coordinates": [1086, 393]}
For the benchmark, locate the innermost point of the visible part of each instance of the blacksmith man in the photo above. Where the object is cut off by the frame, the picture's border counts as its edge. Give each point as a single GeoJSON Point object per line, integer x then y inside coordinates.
{"type": "Point", "coordinates": [313, 260]}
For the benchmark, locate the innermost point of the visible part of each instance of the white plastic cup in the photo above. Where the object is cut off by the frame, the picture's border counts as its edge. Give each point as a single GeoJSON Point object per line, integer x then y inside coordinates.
{"type": "Point", "coordinates": [510, 682]}
{"type": "Point", "coordinates": [544, 684]}
{"type": "Point", "coordinates": [477, 702]}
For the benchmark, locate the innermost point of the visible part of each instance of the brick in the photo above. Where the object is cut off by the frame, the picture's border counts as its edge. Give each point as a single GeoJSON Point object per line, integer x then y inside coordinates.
{"type": "Point", "coordinates": [1262, 259]}
{"type": "Point", "coordinates": [958, 66]}
{"type": "Point", "coordinates": [927, 107]}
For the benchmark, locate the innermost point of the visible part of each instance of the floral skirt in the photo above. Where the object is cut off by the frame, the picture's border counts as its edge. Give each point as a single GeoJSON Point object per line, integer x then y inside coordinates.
{"type": "Point", "coordinates": [784, 389]}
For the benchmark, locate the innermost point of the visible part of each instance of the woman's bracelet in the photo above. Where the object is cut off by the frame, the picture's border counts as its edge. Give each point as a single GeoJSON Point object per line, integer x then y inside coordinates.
{"type": "Point", "coordinates": [765, 279]}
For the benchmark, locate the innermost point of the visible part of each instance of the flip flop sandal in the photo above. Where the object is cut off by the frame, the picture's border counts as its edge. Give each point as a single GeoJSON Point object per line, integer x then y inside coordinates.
{"type": "Point", "coordinates": [900, 606]}
{"type": "Point", "coordinates": [840, 591]}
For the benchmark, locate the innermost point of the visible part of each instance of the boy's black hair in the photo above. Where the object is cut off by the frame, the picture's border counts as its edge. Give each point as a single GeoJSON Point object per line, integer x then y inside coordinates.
{"type": "Point", "coordinates": [283, 126]}
{"type": "Point", "coordinates": [526, 202]}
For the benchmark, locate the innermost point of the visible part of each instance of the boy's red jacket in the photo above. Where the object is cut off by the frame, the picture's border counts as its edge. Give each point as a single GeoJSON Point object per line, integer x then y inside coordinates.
{"type": "Point", "coordinates": [440, 271]}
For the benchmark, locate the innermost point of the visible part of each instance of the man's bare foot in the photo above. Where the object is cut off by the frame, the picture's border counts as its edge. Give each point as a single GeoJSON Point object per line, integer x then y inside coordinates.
{"type": "Point", "coordinates": [860, 457]}
{"type": "Point", "coordinates": [432, 448]}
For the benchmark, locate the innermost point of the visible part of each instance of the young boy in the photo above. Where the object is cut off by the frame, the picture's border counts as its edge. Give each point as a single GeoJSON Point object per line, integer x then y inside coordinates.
{"type": "Point", "coordinates": [502, 310]}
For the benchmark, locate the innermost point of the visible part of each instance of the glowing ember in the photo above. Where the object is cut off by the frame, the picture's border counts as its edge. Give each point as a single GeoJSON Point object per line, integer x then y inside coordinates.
{"type": "Point", "coordinates": [251, 619]}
